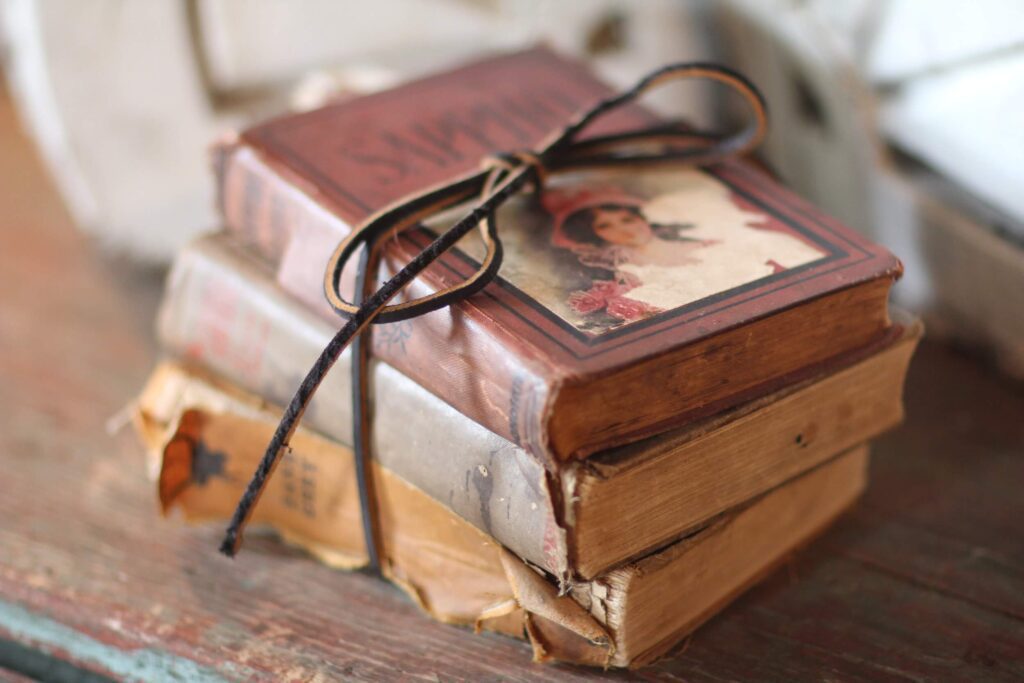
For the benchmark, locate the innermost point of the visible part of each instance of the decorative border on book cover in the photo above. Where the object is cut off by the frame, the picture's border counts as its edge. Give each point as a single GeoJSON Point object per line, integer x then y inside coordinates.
{"type": "Point", "coordinates": [838, 252]}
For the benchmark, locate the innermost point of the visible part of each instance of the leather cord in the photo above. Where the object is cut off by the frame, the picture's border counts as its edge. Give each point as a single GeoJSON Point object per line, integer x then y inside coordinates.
{"type": "Point", "coordinates": [501, 176]}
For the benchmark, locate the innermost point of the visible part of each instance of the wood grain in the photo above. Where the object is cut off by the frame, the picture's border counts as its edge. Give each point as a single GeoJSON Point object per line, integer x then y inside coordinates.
{"type": "Point", "coordinates": [924, 580]}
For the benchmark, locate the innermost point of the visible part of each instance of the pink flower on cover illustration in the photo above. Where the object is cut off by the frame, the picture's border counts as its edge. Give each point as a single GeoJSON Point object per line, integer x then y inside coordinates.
{"type": "Point", "coordinates": [586, 302]}
{"type": "Point", "coordinates": [608, 295]}
{"type": "Point", "coordinates": [627, 309]}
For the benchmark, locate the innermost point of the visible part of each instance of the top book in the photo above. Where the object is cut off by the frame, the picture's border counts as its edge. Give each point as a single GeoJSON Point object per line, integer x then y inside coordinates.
{"type": "Point", "coordinates": [627, 304]}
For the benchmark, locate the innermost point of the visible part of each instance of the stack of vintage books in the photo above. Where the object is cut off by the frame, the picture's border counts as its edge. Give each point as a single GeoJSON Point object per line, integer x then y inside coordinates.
{"type": "Point", "coordinates": [670, 386]}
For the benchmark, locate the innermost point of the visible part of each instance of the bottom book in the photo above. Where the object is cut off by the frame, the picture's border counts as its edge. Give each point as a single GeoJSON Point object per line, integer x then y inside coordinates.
{"type": "Point", "coordinates": [205, 438]}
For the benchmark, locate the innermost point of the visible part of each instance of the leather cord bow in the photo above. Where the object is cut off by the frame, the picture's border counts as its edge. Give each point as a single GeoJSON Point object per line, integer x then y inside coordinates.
{"type": "Point", "coordinates": [501, 177]}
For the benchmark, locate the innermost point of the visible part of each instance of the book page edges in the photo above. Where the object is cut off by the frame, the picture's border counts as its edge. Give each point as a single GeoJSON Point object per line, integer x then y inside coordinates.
{"type": "Point", "coordinates": [710, 570]}
{"type": "Point", "coordinates": [706, 377]}
{"type": "Point", "coordinates": [768, 441]}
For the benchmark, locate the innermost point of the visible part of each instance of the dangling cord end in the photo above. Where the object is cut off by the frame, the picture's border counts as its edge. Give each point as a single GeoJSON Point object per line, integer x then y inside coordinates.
{"type": "Point", "coordinates": [233, 536]}
{"type": "Point", "coordinates": [229, 546]}
{"type": "Point", "coordinates": [289, 421]}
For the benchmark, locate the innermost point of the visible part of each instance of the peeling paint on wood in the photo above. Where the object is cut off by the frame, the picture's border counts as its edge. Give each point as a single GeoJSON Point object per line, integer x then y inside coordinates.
{"type": "Point", "coordinates": [143, 664]}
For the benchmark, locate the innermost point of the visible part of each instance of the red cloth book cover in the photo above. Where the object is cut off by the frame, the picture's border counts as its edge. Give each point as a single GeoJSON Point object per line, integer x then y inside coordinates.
{"type": "Point", "coordinates": [627, 303]}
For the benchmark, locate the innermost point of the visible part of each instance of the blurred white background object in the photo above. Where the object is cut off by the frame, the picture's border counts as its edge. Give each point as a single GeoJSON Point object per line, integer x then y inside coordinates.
{"type": "Point", "coordinates": [124, 97]}
{"type": "Point", "coordinates": [906, 120]}
{"type": "Point", "coordinates": [968, 124]}
{"type": "Point", "coordinates": [112, 95]}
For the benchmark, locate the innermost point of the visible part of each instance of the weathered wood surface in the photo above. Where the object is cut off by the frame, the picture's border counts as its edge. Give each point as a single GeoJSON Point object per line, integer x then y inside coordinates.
{"type": "Point", "coordinates": [924, 580]}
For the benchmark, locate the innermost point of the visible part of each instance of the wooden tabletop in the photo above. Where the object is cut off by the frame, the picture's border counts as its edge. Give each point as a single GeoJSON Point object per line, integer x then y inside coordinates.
{"type": "Point", "coordinates": [924, 580]}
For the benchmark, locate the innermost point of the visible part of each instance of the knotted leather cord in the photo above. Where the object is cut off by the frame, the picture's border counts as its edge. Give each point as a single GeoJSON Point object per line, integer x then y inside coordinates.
{"type": "Point", "coordinates": [502, 176]}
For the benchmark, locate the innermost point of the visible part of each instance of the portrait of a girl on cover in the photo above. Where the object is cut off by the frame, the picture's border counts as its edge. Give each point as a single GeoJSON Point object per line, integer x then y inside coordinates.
{"type": "Point", "coordinates": [648, 255]}
{"type": "Point", "coordinates": [605, 252]}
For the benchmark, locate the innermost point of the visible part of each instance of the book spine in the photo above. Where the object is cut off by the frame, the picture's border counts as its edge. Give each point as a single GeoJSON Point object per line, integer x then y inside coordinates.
{"type": "Point", "coordinates": [223, 311]}
{"type": "Point", "coordinates": [479, 368]}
